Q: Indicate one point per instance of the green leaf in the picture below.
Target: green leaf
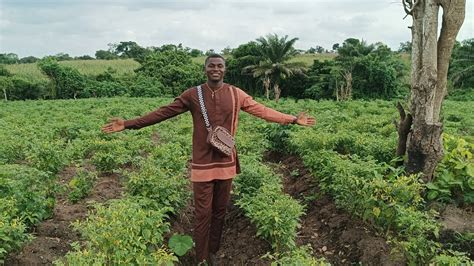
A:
(470, 183)
(470, 170)
(432, 194)
(180, 244)
(146, 233)
(376, 211)
(432, 186)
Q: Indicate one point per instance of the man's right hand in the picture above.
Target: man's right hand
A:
(115, 125)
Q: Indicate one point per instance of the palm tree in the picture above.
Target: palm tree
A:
(274, 66)
(461, 69)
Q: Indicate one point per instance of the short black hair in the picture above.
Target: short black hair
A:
(213, 56)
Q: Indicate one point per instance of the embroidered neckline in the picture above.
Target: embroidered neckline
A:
(214, 91)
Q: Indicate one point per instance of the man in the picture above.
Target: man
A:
(211, 172)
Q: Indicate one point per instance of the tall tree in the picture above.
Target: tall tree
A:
(275, 53)
(429, 68)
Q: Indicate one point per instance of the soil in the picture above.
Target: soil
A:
(332, 233)
(458, 219)
(53, 237)
(239, 244)
(456, 222)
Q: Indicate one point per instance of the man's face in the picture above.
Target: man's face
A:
(215, 69)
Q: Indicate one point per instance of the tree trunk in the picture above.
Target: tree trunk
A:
(344, 92)
(430, 60)
(5, 94)
(266, 85)
(277, 90)
(403, 129)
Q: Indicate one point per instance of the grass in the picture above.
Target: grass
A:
(88, 67)
(94, 67)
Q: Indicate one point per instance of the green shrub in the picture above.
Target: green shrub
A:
(81, 185)
(123, 233)
(298, 256)
(26, 193)
(275, 214)
(12, 235)
(48, 156)
(162, 188)
(454, 176)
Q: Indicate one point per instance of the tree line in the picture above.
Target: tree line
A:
(264, 67)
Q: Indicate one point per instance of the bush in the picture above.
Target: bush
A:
(122, 233)
(174, 68)
(275, 214)
(66, 81)
(454, 176)
(18, 88)
(164, 189)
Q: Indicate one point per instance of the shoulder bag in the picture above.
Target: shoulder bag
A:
(218, 137)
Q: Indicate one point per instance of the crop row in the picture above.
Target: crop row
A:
(351, 154)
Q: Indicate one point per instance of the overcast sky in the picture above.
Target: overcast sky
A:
(78, 27)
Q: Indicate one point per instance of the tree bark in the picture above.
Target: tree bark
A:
(266, 85)
(430, 61)
(277, 90)
(403, 129)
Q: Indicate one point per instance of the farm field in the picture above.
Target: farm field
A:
(94, 67)
(327, 194)
(88, 67)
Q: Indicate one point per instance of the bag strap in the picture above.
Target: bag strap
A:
(203, 108)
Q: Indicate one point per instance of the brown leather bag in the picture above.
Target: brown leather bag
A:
(218, 137)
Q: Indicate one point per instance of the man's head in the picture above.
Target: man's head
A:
(214, 66)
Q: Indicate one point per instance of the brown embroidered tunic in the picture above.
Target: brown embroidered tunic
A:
(223, 107)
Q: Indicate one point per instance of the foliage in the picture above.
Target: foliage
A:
(376, 70)
(81, 184)
(18, 88)
(351, 149)
(277, 223)
(273, 61)
(321, 80)
(8, 58)
(174, 69)
(180, 244)
(122, 233)
(143, 86)
(454, 176)
(66, 82)
(299, 256)
(164, 188)
(405, 47)
(26, 193)
(105, 55)
(26, 197)
(461, 94)
(450, 257)
(130, 49)
(355, 165)
(12, 236)
(242, 56)
(461, 68)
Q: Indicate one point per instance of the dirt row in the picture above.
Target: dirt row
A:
(332, 233)
(338, 236)
(53, 237)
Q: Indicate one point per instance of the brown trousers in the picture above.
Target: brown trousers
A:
(210, 204)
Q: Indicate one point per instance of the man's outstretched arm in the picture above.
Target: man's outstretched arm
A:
(249, 105)
(165, 112)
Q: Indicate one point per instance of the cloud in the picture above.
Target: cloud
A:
(77, 27)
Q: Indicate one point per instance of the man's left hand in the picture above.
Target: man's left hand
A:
(304, 120)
